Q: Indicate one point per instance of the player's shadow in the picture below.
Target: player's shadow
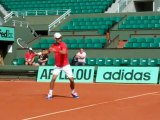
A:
(62, 96)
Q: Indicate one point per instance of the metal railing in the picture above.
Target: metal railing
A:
(26, 24)
(58, 20)
(20, 23)
(40, 12)
(33, 13)
(9, 15)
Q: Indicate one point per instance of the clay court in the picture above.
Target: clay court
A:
(25, 100)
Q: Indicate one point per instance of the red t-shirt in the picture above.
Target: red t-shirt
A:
(29, 55)
(61, 60)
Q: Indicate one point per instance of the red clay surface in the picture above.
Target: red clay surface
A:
(26, 101)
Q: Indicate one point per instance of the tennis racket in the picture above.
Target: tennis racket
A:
(22, 43)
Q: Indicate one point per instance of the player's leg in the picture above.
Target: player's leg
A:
(55, 73)
(67, 69)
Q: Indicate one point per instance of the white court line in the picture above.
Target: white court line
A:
(87, 106)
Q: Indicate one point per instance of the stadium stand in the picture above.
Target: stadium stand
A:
(134, 37)
(77, 6)
(143, 42)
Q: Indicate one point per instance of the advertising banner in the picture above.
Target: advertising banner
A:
(127, 74)
(7, 34)
(82, 74)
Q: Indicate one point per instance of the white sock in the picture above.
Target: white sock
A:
(50, 92)
(73, 91)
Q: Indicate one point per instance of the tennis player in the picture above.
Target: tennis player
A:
(60, 51)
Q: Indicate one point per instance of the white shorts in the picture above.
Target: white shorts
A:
(67, 69)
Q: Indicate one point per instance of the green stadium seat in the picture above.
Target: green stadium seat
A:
(95, 41)
(138, 17)
(103, 40)
(157, 25)
(88, 40)
(50, 61)
(144, 17)
(143, 62)
(67, 41)
(156, 40)
(126, 61)
(43, 41)
(132, 40)
(21, 61)
(130, 18)
(74, 46)
(152, 61)
(158, 61)
(91, 61)
(151, 17)
(141, 40)
(69, 45)
(143, 26)
(157, 17)
(102, 31)
(135, 26)
(89, 45)
(50, 41)
(97, 45)
(36, 46)
(128, 26)
(14, 61)
(100, 61)
(117, 61)
(80, 40)
(151, 25)
(44, 46)
(137, 45)
(36, 59)
(128, 45)
(82, 45)
(72, 41)
(108, 61)
(154, 45)
(134, 62)
(145, 45)
(149, 40)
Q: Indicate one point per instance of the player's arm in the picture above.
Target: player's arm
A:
(51, 49)
(63, 51)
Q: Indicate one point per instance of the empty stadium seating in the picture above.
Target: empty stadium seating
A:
(143, 42)
(76, 6)
(122, 62)
(140, 22)
(73, 43)
(104, 61)
(101, 24)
